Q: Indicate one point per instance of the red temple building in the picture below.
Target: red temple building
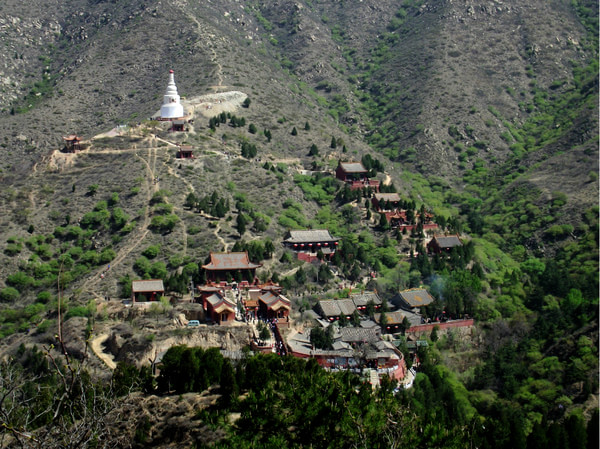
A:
(177, 126)
(147, 290)
(307, 244)
(273, 305)
(227, 267)
(219, 308)
(185, 152)
(355, 175)
(385, 202)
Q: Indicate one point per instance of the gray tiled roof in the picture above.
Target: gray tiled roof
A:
(150, 285)
(359, 334)
(353, 167)
(416, 297)
(309, 236)
(448, 241)
(368, 324)
(346, 306)
(397, 317)
(330, 307)
(387, 197)
(337, 307)
(362, 298)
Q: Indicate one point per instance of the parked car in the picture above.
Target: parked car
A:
(193, 323)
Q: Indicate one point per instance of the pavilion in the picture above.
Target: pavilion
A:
(227, 267)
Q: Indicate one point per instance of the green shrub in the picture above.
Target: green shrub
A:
(78, 311)
(19, 280)
(9, 294)
(151, 252)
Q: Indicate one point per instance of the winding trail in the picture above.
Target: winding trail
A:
(96, 346)
(219, 238)
(206, 37)
(142, 229)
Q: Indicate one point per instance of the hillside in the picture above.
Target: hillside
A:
(483, 115)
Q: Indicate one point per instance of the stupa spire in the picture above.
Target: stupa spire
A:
(171, 107)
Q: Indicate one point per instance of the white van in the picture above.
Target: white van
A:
(193, 323)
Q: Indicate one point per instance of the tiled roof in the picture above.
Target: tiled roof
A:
(309, 236)
(368, 324)
(359, 334)
(361, 299)
(220, 303)
(330, 307)
(340, 345)
(230, 261)
(449, 241)
(346, 306)
(387, 197)
(274, 302)
(150, 285)
(353, 167)
(337, 307)
(397, 317)
(416, 297)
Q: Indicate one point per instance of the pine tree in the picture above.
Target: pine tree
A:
(241, 224)
(267, 134)
(228, 384)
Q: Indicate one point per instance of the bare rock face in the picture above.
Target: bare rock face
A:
(143, 345)
(73, 334)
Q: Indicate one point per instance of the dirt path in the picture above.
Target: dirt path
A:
(189, 185)
(388, 180)
(219, 238)
(205, 37)
(89, 286)
(96, 346)
(290, 272)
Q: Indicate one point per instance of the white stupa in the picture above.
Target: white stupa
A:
(171, 107)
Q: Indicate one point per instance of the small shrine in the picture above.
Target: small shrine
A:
(72, 143)
(185, 152)
(443, 244)
(147, 290)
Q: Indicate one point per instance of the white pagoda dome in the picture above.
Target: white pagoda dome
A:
(171, 107)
